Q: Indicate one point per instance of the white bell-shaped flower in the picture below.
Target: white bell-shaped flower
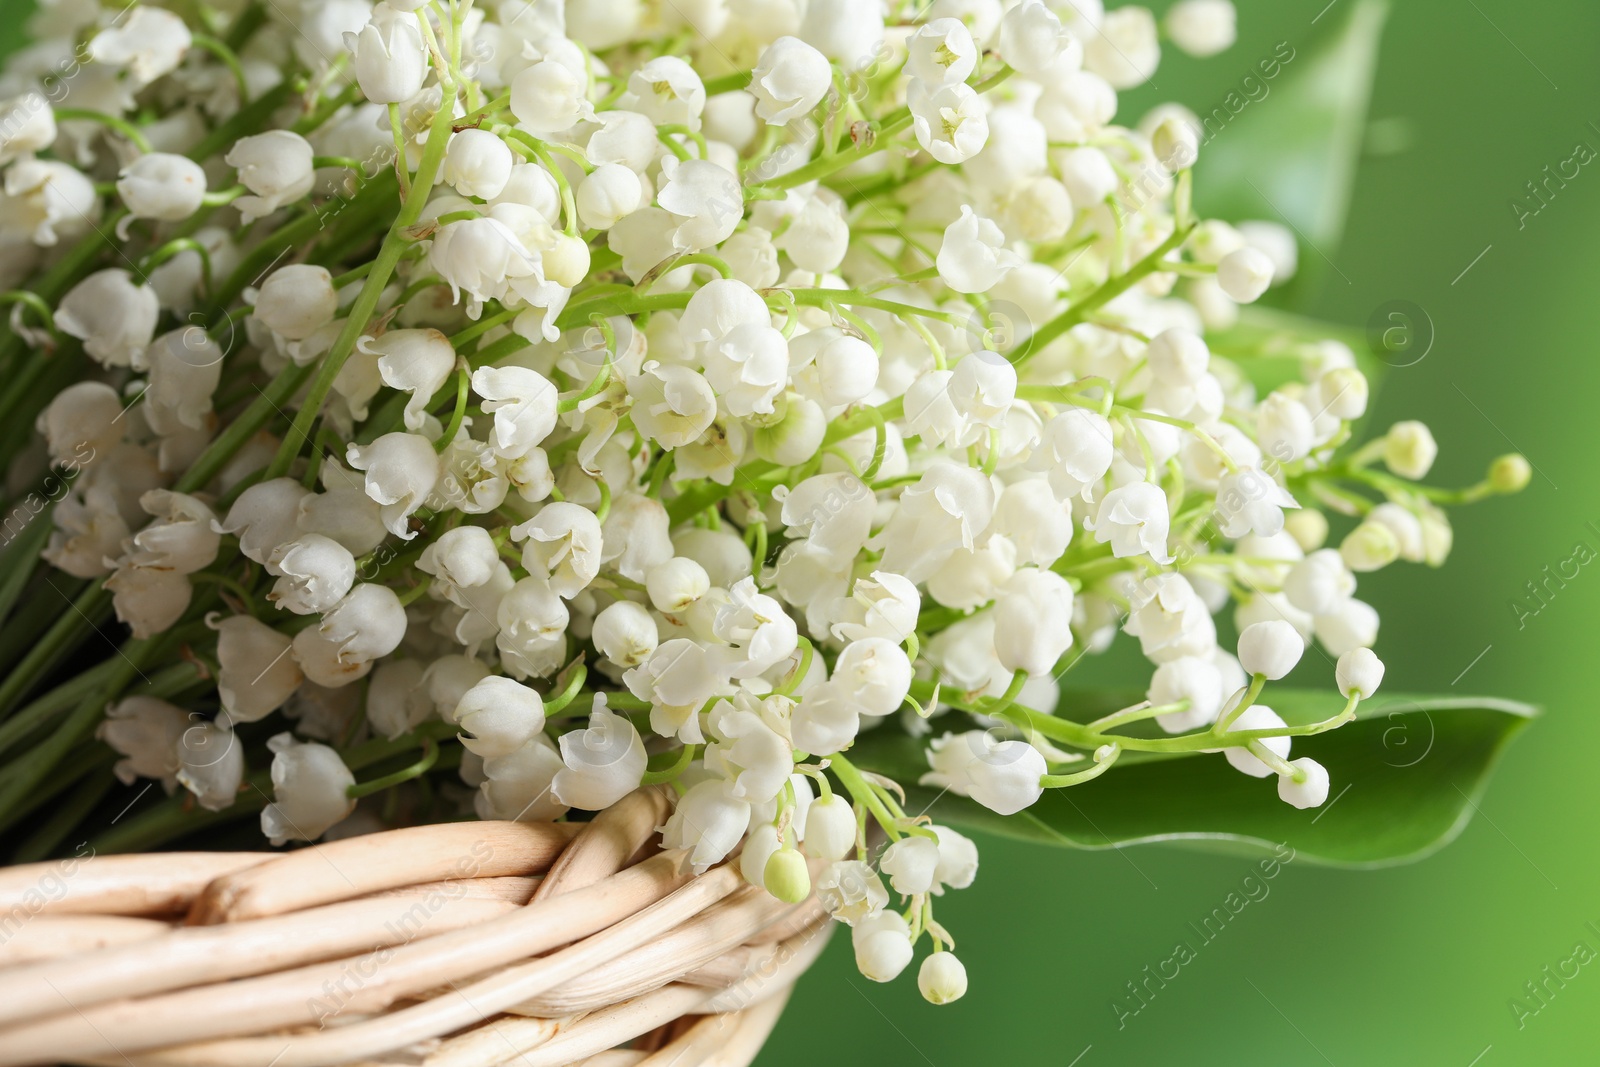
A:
(833, 512)
(1244, 275)
(548, 98)
(707, 200)
(418, 362)
(667, 91)
(148, 43)
(517, 786)
(945, 510)
(401, 470)
(501, 715)
(607, 195)
(636, 535)
(1003, 776)
(1202, 27)
(1076, 451)
(677, 679)
(911, 863)
(672, 404)
(146, 733)
(1359, 672)
(31, 127)
(1126, 50)
(46, 202)
(523, 403)
(211, 764)
(748, 368)
(1135, 520)
(603, 763)
(885, 605)
(308, 785)
(789, 80)
(1191, 678)
(368, 624)
(675, 584)
(397, 698)
(1170, 619)
(114, 317)
(1032, 39)
(846, 32)
(149, 600)
(276, 167)
(830, 828)
(948, 121)
(875, 673)
(958, 860)
(264, 517)
(942, 978)
(745, 750)
(390, 61)
(1033, 621)
(625, 634)
(709, 821)
(182, 539)
(1307, 787)
(257, 674)
(851, 891)
(758, 627)
(973, 257)
(941, 52)
(882, 945)
(314, 574)
(478, 164)
(160, 186)
(1270, 648)
(297, 300)
(564, 544)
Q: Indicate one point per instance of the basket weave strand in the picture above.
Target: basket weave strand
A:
(456, 945)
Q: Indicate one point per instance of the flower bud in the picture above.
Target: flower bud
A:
(709, 822)
(790, 79)
(315, 573)
(786, 877)
(1188, 678)
(1178, 355)
(795, 437)
(160, 186)
(146, 732)
(297, 300)
(478, 164)
(910, 864)
(1359, 672)
(830, 830)
(1307, 787)
(390, 61)
(275, 166)
(851, 891)
(1257, 717)
(548, 98)
(1342, 393)
(973, 257)
(608, 194)
(760, 845)
(1244, 275)
(942, 978)
(1353, 624)
(603, 763)
(308, 783)
(148, 43)
(1088, 175)
(1510, 473)
(27, 126)
(875, 673)
(1202, 27)
(1033, 621)
(1370, 546)
(675, 584)
(401, 470)
(1308, 527)
(843, 30)
(1032, 39)
(882, 946)
(625, 634)
(397, 698)
(1175, 144)
(211, 764)
(1319, 582)
(1003, 776)
(501, 714)
(1270, 648)
(941, 52)
(1409, 450)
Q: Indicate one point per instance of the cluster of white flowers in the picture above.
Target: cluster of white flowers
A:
(647, 398)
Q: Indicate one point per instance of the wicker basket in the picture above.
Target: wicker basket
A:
(454, 945)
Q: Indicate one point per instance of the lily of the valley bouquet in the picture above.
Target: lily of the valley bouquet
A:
(487, 409)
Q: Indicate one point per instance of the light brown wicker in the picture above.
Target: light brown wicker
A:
(454, 945)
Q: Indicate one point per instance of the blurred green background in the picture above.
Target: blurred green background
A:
(1412, 965)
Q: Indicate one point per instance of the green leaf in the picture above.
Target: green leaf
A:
(1407, 775)
(1290, 155)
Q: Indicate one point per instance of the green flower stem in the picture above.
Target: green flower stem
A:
(90, 608)
(59, 699)
(21, 558)
(252, 118)
(1137, 713)
(1061, 781)
(698, 496)
(36, 304)
(395, 245)
(482, 326)
(728, 82)
(173, 248)
(114, 123)
(267, 404)
(430, 756)
(456, 417)
(801, 669)
(863, 793)
(558, 703)
(228, 58)
(65, 816)
(1258, 682)
(826, 297)
(672, 771)
(1108, 291)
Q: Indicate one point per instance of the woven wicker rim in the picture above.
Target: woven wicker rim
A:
(453, 945)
